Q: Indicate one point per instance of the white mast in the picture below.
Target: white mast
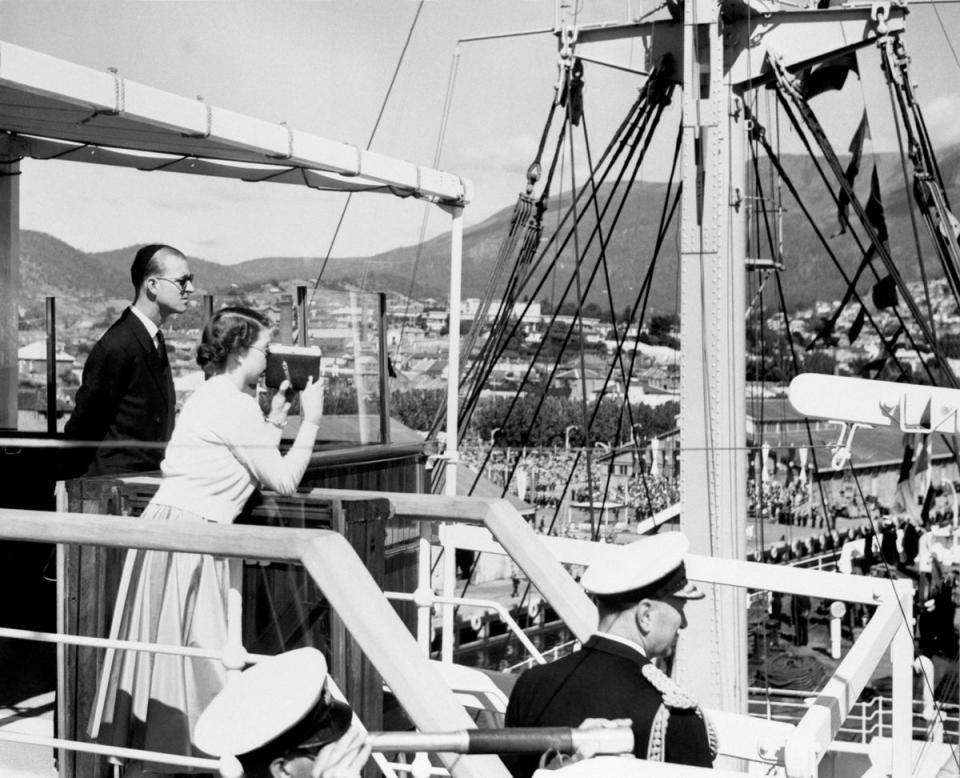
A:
(713, 481)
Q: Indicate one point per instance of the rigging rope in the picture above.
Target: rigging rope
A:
(578, 262)
(888, 343)
(641, 121)
(786, 89)
(928, 188)
(923, 158)
(637, 118)
(645, 126)
(640, 303)
(784, 176)
(911, 206)
(829, 521)
(438, 152)
(373, 132)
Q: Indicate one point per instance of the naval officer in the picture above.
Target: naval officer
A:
(278, 720)
(641, 591)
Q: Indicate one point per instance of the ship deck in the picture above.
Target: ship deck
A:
(27, 707)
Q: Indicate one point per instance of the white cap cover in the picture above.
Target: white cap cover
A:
(262, 703)
(647, 567)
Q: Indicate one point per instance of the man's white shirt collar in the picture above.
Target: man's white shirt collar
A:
(152, 329)
(616, 638)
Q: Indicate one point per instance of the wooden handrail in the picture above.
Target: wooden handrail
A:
(274, 544)
(334, 566)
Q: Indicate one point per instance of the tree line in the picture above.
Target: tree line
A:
(519, 422)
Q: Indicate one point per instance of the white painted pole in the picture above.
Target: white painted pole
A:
(449, 586)
(234, 655)
(901, 660)
(924, 666)
(837, 611)
(450, 455)
(453, 357)
(424, 587)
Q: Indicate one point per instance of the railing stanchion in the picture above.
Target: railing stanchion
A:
(64, 756)
(901, 708)
(449, 587)
(234, 654)
(424, 612)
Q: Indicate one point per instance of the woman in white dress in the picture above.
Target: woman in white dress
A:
(222, 448)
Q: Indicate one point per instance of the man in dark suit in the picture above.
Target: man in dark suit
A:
(641, 590)
(126, 402)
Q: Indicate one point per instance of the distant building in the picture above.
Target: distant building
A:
(32, 361)
(650, 395)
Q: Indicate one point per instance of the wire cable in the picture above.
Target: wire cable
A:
(373, 132)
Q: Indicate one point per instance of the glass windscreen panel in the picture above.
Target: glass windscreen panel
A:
(347, 327)
(45, 397)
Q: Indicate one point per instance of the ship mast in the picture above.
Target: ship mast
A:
(713, 475)
(720, 49)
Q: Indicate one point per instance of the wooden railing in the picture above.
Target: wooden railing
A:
(334, 566)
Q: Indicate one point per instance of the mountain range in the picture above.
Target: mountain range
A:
(50, 266)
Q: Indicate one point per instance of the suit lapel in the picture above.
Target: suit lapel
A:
(151, 358)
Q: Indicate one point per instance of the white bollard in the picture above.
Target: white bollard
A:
(837, 611)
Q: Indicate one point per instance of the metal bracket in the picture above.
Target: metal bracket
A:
(880, 12)
(567, 41)
(926, 423)
(842, 448)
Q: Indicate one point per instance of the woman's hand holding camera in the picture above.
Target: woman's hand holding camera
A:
(311, 400)
(280, 404)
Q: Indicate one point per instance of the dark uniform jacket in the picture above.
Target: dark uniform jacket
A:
(126, 395)
(603, 680)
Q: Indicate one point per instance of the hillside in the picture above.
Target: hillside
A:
(52, 267)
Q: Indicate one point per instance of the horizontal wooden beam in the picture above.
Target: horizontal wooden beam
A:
(274, 544)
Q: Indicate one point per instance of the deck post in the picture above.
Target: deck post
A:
(450, 455)
(9, 290)
(453, 357)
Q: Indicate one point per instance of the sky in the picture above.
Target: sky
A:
(324, 67)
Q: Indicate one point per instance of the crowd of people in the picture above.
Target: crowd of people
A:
(895, 547)
(544, 477)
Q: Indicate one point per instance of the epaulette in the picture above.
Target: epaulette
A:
(673, 695)
(674, 698)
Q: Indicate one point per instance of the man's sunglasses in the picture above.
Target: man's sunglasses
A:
(181, 282)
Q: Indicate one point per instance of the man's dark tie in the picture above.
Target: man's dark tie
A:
(162, 349)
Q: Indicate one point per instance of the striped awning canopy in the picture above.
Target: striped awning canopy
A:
(54, 109)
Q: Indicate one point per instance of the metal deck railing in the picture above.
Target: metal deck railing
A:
(495, 526)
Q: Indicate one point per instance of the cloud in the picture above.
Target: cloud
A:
(941, 117)
(503, 154)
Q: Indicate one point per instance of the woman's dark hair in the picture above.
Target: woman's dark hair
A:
(228, 331)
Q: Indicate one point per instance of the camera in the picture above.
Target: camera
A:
(295, 363)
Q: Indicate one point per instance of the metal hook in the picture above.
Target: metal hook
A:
(880, 12)
(841, 449)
